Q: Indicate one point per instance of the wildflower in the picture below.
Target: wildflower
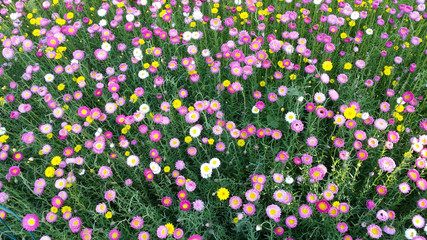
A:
(223, 194)
(30, 222)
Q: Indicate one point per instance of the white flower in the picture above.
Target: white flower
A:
(130, 17)
(300, 99)
(410, 233)
(133, 161)
(206, 170)
(255, 110)
(400, 101)
(143, 74)
(103, 23)
(354, 15)
(102, 12)
(418, 221)
(417, 147)
(143, 2)
(49, 77)
(289, 180)
(81, 172)
(369, 31)
(258, 227)
(155, 167)
(290, 117)
(237, 2)
(137, 52)
(111, 145)
(317, 2)
(289, 49)
(106, 46)
(365, 116)
(206, 53)
(197, 15)
(195, 131)
(206, 175)
(215, 163)
(158, 5)
(144, 108)
(14, 16)
(195, 35)
(186, 36)
(2, 130)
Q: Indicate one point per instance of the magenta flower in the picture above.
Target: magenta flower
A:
(30, 222)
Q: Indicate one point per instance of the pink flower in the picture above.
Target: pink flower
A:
(30, 222)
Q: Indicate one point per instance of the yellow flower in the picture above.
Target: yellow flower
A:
(4, 138)
(193, 24)
(226, 83)
(133, 98)
(327, 65)
(407, 154)
(61, 87)
(336, 204)
(176, 103)
(54, 209)
(244, 15)
(400, 128)
(50, 135)
(347, 66)
(170, 228)
(108, 215)
(399, 108)
(124, 131)
(65, 209)
(211, 141)
(352, 23)
(241, 142)
(293, 77)
(155, 64)
(89, 119)
(223, 193)
(262, 83)
(236, 219)
(343, 35)
(70, 15)
(387, 72)
(127, 153)
(56, 160)
(188, 139)
(49, 172)
(68, 127)
(167, 169)
(77, 148)
(350, 113)
(214, 10)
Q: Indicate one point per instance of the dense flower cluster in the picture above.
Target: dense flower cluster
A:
(203, 119)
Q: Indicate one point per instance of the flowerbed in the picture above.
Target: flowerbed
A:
(213, 119)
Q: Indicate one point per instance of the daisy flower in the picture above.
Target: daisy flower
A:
(418, 221)
(30, 222)
(223, 194)
(273, 211)
(290, 117)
